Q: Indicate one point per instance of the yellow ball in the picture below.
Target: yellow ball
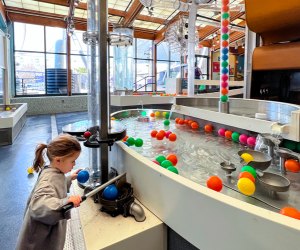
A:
(7, 108)
(246, 186)
(30, 170)
(247, 157)
(157, 113)
(113, 118)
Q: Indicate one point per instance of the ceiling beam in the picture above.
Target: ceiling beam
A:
(134, 10)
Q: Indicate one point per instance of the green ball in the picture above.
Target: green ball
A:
(225, 37)
(225, 15)
(130, 141)
(249, 169)
(143, 113)
(224, 98)
(138, 142)
(166, 164)
(166, 122)
(173, 169)
(167, 115)
(235, 136)
(290, 144)
(160, 158)
(224, 64)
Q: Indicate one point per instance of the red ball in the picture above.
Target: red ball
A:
(208, 128)
(87, 134)
(153, 133)
(214, 183)
(172, 137)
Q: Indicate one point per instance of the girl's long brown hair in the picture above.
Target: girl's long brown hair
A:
(62, 146)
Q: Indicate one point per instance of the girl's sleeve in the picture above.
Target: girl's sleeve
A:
(69, 182)
(45, 206)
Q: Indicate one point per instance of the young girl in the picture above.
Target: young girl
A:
(44, 225)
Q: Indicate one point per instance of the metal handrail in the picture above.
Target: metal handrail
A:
(143, 86)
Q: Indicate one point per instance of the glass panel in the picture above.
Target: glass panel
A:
(202, 64)
(175, 56)
(28, 37)
(77, 44)
(56, 40)
(30, 73)
(144, 49)
(162, 74)
(163, 51)
(56, 74)
(80, 82)
(175, 70)
(144, 75)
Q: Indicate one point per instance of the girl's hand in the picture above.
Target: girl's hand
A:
(75, 199)
(75, 174)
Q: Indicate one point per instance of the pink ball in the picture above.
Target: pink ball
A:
(224, 77)
(251, 141)
(156, 162)
(225, 30)
(168, 133)
(224, 84)
(243, 139)
(221, 132)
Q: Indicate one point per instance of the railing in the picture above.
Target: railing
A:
(148, 81)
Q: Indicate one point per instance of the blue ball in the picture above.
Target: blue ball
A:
(224, 57)
(224, 71)
(83, 176)
(110, 192)
(225, 51)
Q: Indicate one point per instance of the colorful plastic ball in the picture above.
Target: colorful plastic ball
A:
(167, 115)
(157, 114)
(243, 139)
(160, 158)
(30, 170)
(110, 192)
(208, 128)
(224, 91)
(224, 84)
(224, 24)
(247, 175)
(291, 212)
(130, 141)
(172, 137)
(224, 98)
(214, 183)
(225, 16)
(152, 115)
(177, 120)
(168, 133)
(224, 64)
(225, 70)
(292, 165)
(235, 136)
(126, 143)
(166, 164)
(246, 186)
(225, 51)
(125, 138)
(143, 113)
(173, 169)
(181, 122)
(166, 122)
(172, 158)
(138, 142)
(225, 43)
(225, 37)
(251, 141)
(228, 134)
(83, 176)
(87, 134)
(153, 133)
(247, 157)
(225, 9)
(225, 58)
(225, 2)
(249, 169)
(194, 125)
(7, 108)
(160, 136)
(221, 132)
(224, 78)
(225, 30)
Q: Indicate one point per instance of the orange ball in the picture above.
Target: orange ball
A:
(291, 212)
(247, 175)
(125, 138)
(225, 22)
(172, 158)
(181, 122)
(225, 44)
(214, 183)
(160, 136)
(172, 137)
(292, 165)
(152, 115)
(208, 128)
(186, 121)
(190, 122)
(162, 132)
(228, 134)
(224, 91)
(225, 2)
(154, 133)
(177, 120)
(194, 125)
